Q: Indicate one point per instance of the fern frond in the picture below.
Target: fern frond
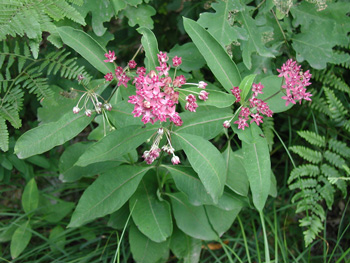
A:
(60, 9)
(331, 172)
(321, 106)
(15, 98)
(303, 170)
(8, 112)
(305, 193)
(313, 138)
(4, 135)
(336, 108)
(56, 62)
(307, 154)
(303, 184)
(334, 159)
(32, 81)
(313, 226)
(330, 79)
(267, 127)
(339, 147)
(76, 2)
(327, 192)
(312, 207)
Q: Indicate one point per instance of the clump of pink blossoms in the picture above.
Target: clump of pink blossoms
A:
(254, 111)
(157, 94)
(296, 82)
(120, 74)
(151, 155)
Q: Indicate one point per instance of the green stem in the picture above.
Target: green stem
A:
(244, 239)
(267, 253)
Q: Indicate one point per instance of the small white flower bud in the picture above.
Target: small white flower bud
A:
(226, 124)
(76, 110)
(108, 106)
(175, 160)
(88, 113)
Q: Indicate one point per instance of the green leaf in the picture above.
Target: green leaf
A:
(218, 23)
(119, 218)
(184, 246)
(121, 115)
(54, 213)
(116, 144)
(107, 194)
(47, 136)
(221, 220)
(207, 161)
(192, 220)
(118, 5)
(30, 197)
(224, 69)
(237, 179)
(140, 15)
(71, 173)
(4, 135)
(206, 124)
(87, 47)
(216, 98)
(254, 42)
(150, 45)
(20, 239)
(145, 250)
(101, 11)
(191, 58)
(187, 181)
(258, 167)
(272, 94)
(151, 216)
(246, 85)
(57, 238)
(273, 186)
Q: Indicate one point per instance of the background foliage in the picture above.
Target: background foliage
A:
(61, 200)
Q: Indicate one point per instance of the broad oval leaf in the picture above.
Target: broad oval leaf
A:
(221, 220)
(258, 167)
(216, 98)
(151, 216)
(187, 181)
(121, 115)
(145, 250)
(107, 194)
(47, 136)
(150, 45)
(273, 94)
(57, 238)
(87, 47)
(116, 144)
(224, 69)
(207, 161)
(30, 197)
(237, 179)
(192, 220)
(20, 239)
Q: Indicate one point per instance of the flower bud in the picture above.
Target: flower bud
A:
(108, 106)
(175, 160)
(76, 110)
(88, 113)
(226, 124)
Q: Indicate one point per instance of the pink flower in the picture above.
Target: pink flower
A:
(257, 89)
(226, 124)
(132, 64)
(123, 80)
(242, 123)
(177, 61)
(110, 56)
(202, 85)
(179, 81)
(203, 95)
(141, 71)
(175, 160)
(118, 71)
(257, 118)
(109, 76)
(237, 93)
(162, 57)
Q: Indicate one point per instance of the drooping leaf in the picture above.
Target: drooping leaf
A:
(145, 250)
(207, 161)
(107, 194)
(116, 144)
(20, 239)
(151, 216)
(236, 179)
(224, 69)
(47, 136)
(184, 246)
(187, 181)
(150, 44)
(191, 58)
(30, 196)
(87, 47)
(258, 167)
(192, 220)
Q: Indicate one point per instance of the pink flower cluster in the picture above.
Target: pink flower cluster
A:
(295, 82)
(256, 109)
(156, 93)
(151, 155)
(120, 74)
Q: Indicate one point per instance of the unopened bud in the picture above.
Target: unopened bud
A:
(108, 106)
(88, 113)
(175, 160)
(76, 110)
(226, 124)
